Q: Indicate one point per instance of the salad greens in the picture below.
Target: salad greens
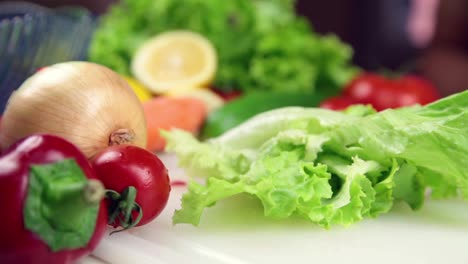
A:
(261, 44)
(327, 166)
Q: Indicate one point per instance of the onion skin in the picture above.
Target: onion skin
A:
(85, 103)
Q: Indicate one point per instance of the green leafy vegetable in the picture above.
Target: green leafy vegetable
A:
(261, 44)
(303, 60)
(330, 167)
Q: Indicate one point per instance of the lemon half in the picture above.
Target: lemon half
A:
(174, 60)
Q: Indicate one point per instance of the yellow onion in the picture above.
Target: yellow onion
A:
(85, 103)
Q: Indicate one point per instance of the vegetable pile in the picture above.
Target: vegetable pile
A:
(79, 138)
(274, 49)
(330, 167)
(74, 161)
(255, 49)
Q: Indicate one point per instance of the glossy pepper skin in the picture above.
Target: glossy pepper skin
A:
(17, 243)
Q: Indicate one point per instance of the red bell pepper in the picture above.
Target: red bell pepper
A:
(53, 206)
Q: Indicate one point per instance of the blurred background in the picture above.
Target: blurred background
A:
(425, 36)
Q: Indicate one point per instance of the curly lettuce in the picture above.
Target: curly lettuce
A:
(292, 59)
(261, 44)
(330, 167)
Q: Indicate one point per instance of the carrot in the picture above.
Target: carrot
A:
(170, 112)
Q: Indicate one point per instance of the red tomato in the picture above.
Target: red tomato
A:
(121, 167)
(416, 90)
(227, 96)
(337, 103)
(363, 87)
(383, 93)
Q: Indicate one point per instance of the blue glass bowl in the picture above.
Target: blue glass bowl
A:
(32, 36)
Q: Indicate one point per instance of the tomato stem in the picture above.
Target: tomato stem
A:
(128, 205)
(122, 208)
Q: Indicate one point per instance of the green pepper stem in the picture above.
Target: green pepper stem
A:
(66, 201)
(91, 191)
(62, 205)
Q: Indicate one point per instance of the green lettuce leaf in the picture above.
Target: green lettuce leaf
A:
(433, 138)
(330, 167)
(272, 14)
(287, 182)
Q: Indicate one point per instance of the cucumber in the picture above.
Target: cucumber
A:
(237, 111)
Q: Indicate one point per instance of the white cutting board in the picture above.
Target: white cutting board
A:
(235, 232)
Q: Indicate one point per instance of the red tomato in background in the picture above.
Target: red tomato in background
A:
(337, 102)
(227, 96)
(383, 93)
(415, 89)
(122, 166)
(363, 88)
